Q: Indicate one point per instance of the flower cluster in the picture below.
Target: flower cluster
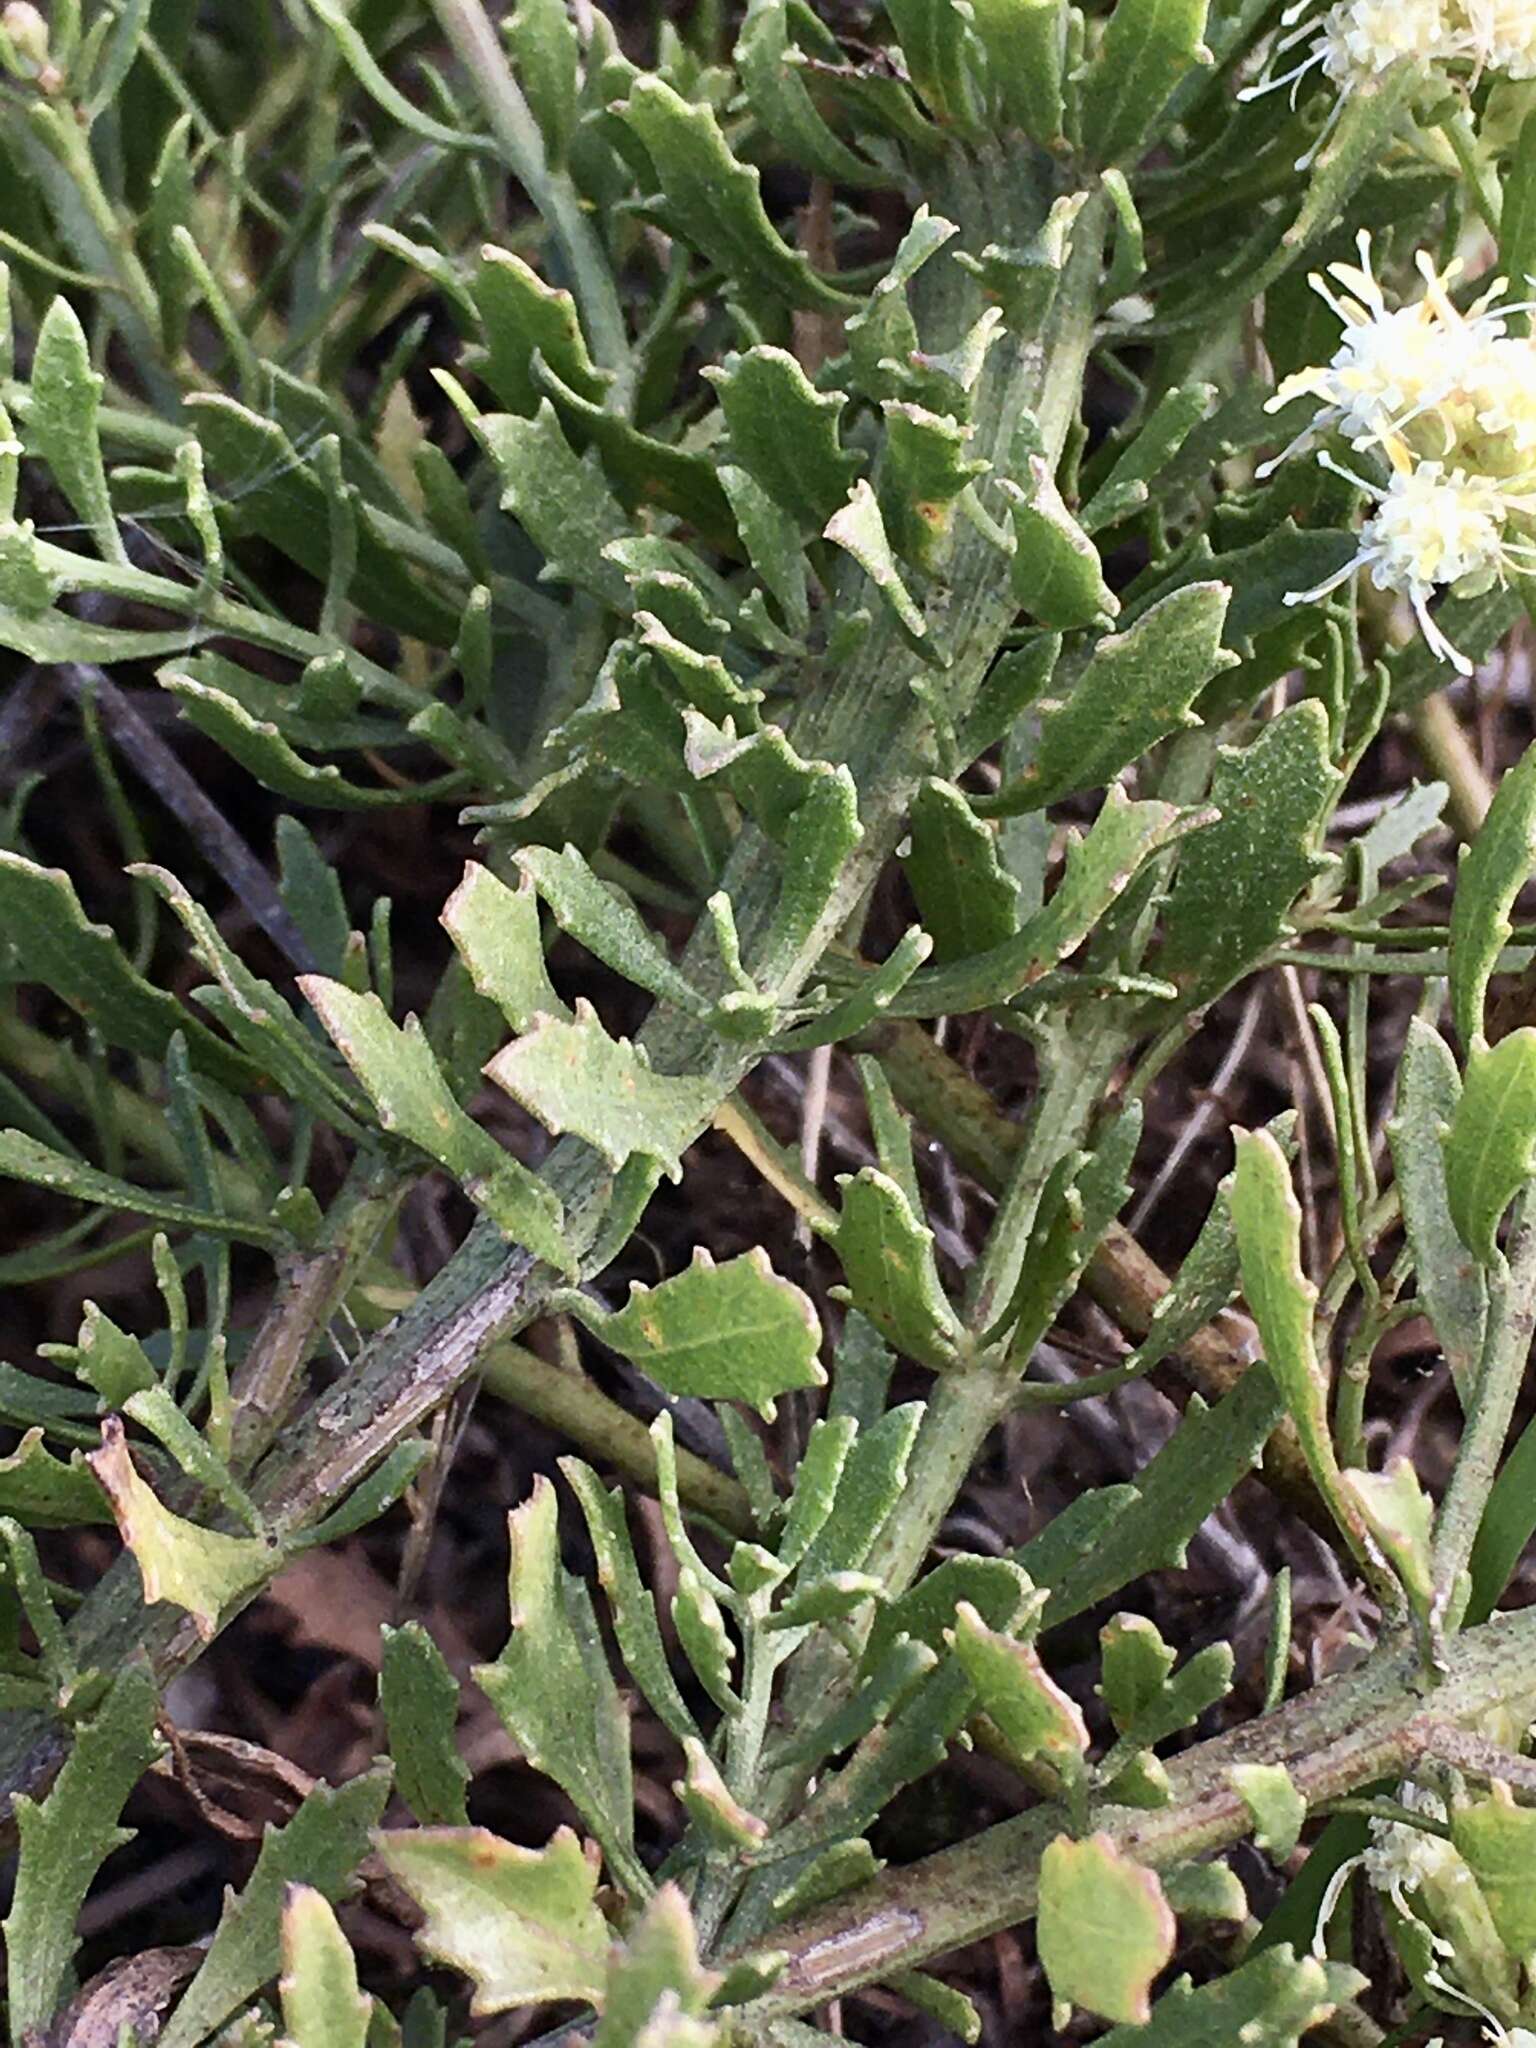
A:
(1445, 402)
(1352, 42)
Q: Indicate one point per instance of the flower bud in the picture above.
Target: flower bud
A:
(26, 45)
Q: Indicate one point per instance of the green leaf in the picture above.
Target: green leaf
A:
(1081, 1198)
(322, 2006)
(1137, 688)
(724, 1823)
(23, 1158)
(860, 531)
(1149, 48)
(1497, 1840)
(892, 1680)
(995, 1589)
(700, 1623)
(1237, 882)
(712, 201)
(521, 1924)
(1055, 574)
(874, 1477)
(886, 1251)
(607, 924)
(964, 895)
(1494, 869)
(735, 1332)
(45, 1492)
(552, 1687)
(1400, 1515)
(905, 1749)
(1276, 1808)
(276, 491)
(262, 751)
(1517, 215)
(771, 537)
(254, 1014)
(769, 65)
(783, 433)
(1267, 2003)
(817, 1478)
(954, 2012)
(1451, 1287)
(406, 1086)
(1097, 872)
(419, 1699)
(83, 964)
(630, 1601)
(321, 1847)
(1205, 1284)
(496, 933)
(106, 1358)
(1032, 1713)
(1188, 1479)
(643, 470)
(62, 417)
(542, 41)
(656, 1981)
(1146, 1702)
(201, 1570)
(1267, 1218)
(1205, 1892)
(940, 56)
(1026, 45)
(823, 832)
(1490, 1148)
(882, 336)
(67, 1837)
(560, 500)
(1104, 1929)
(923, 472)
(1128, 484)
(574, 1077)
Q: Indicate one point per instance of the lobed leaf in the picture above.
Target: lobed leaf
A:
(734, 1332)
(320, 1847)
(574, 1077)
(65, 1839)
(406, 1086)
(521, 1924)
(551, 1684)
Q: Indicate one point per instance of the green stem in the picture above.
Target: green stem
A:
(569, 1403)
(468, 28)
(1078, 1065)
(1348, 1732)
(964, 1408)
(1458, 133)
(1506, 1350)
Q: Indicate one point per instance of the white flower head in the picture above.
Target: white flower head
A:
(1400, 1856)
(1501, 35)
(1394, 365)
(1354, 41)
(1433, 529)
